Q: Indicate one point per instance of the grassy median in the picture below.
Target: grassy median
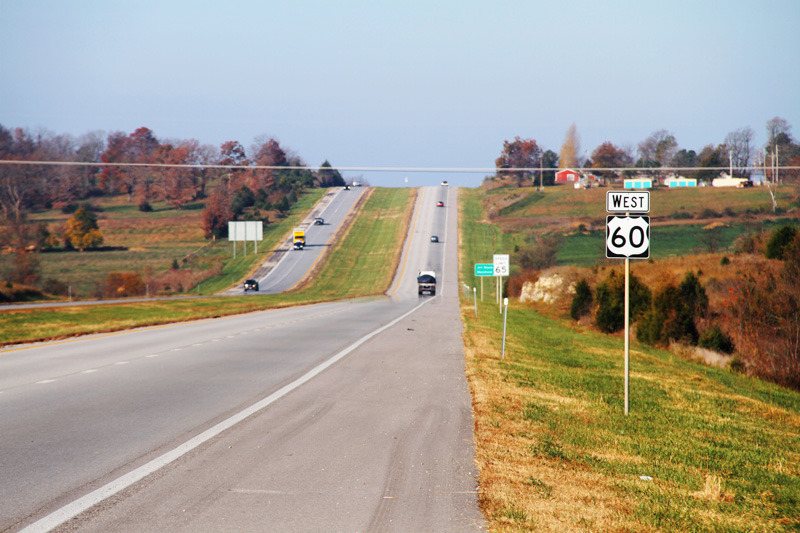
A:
(703, 449)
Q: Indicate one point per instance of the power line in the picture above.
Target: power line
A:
(467, 170)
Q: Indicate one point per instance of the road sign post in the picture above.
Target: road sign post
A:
(501, 268)
(626, 237)
(505, 317)
(482, 270)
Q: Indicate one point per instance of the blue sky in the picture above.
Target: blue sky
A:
(402, 84)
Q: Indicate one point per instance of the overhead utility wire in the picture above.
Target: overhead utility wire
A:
(371, 169)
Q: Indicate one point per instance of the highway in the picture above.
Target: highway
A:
(345, 416)
(287, 267)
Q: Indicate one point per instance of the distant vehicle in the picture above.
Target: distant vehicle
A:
(299, 239)
(444, 183)
(318, 221)
(426, 282)
(347, 187)
(434, 238)
(250, 285)
(440, 204)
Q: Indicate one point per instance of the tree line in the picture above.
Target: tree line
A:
(660, 150)
(147, 170)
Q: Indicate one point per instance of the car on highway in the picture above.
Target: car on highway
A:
(319, 221)
(434, 238)
(250, 285)
(440, 204)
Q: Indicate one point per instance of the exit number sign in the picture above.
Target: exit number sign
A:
(628, 201)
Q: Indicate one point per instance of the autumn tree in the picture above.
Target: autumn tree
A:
(217, 214)
(232, 153)
(521, 153)
(177, 182)
(269, 154)
(138, 147)
(570, 150)
(609, 156)
(82, 231)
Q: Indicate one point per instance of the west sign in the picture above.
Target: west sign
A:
(628, 201)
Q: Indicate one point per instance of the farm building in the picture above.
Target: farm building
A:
(639, 183)
(568, 176)
(580, 179)
(680, 181)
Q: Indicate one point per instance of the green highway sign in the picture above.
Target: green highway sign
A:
(484, 269)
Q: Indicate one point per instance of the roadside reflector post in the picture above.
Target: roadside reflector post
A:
(475, 299)
(505, 318)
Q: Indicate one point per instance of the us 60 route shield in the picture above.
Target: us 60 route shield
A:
(627, 237)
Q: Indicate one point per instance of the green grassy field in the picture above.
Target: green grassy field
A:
(589, 248)
(703, 449)
(589, 204)
(148, 243)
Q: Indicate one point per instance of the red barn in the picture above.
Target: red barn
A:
(567, 176)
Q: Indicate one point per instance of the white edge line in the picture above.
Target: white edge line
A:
(84, 503)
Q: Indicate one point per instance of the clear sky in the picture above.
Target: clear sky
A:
(402, 83)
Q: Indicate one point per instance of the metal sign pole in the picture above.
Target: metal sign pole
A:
(475, 299)
(627, 330)
(500, 293)
(505, 318)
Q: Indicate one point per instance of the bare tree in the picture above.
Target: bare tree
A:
(740, 147)
(660, 148)
(776, 127)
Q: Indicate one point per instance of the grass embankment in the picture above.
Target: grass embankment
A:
(372, 247)
(703, 449)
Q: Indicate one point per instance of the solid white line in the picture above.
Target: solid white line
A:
(86, 502)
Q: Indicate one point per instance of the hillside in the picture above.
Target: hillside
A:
(703, 449)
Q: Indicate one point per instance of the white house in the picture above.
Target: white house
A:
(726, 181)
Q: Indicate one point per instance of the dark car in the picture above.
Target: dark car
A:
(318, 221)
(434, 238)
(250, 285)
(440, 204)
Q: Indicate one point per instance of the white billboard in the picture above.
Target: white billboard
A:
(249, 230)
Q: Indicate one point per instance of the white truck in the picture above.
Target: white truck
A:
(426, 282)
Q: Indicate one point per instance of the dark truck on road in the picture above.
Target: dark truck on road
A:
(426, 282)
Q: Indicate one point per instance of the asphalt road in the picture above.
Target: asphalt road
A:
(287, 267)
(349, 416)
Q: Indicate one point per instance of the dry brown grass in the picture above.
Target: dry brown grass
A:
(520, 490)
